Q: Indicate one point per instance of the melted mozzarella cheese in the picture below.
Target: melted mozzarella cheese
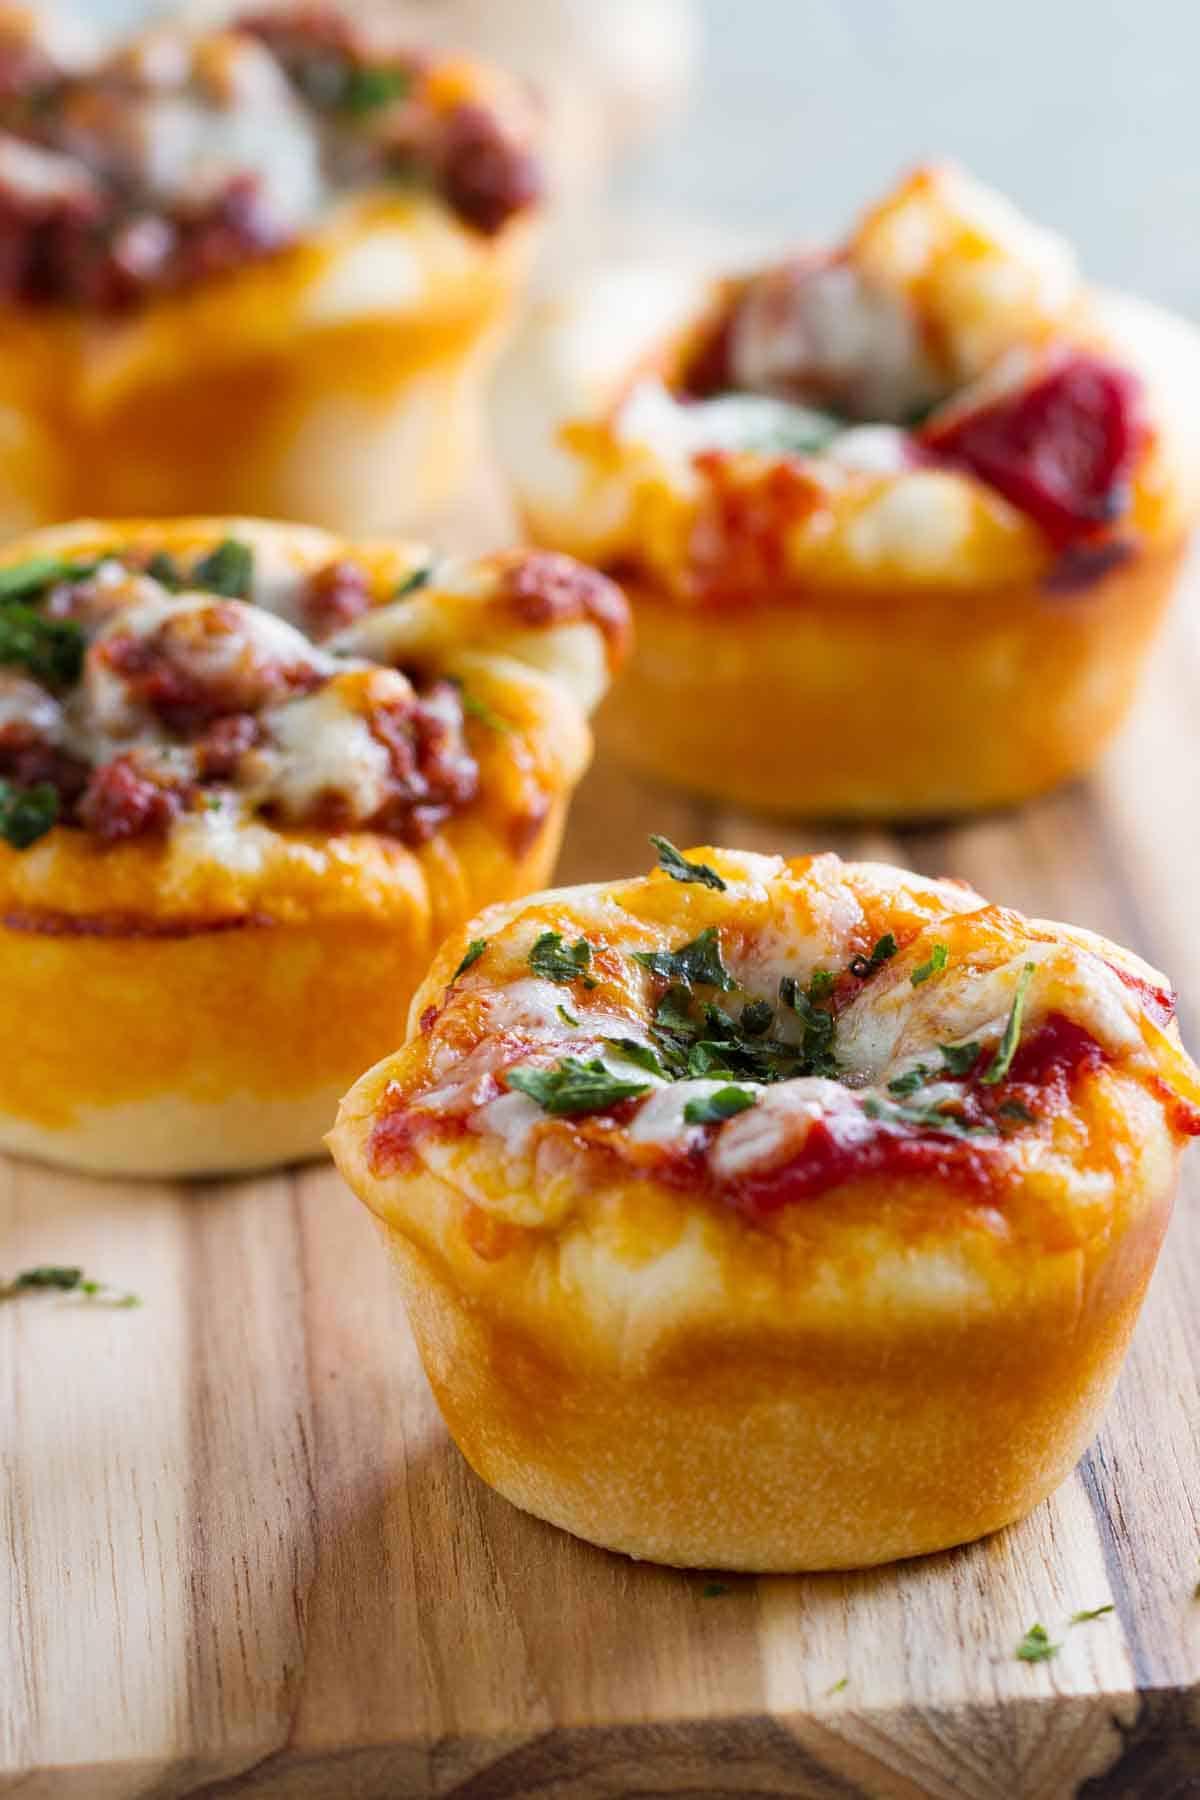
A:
(828, 331)
(779, 1125)
(919, 519)
(327, 747)
(893, 1025)
(26, 706)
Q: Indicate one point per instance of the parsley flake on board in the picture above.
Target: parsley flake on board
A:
(938, 959)
(885, 948)
(1036, 1647)
(51, 649)
(556, 962)
(474, 951)
(713, 1109)
(26, 814)
(1002, 1061)
(677, 866)
(1089, 1613)
(227, 570)
(65, 1281)
(698, 963)
(713, 1590)
(575, 1087)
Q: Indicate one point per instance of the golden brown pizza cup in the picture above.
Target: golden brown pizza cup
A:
(334, 375)
(810, 1345)
(196, 999)
(940, 600)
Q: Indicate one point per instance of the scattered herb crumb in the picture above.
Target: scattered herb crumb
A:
(1036, 1646)
(714, 1589)
(1095, 1612)
(567, 1018)
(63, 1280)
(838, 1686)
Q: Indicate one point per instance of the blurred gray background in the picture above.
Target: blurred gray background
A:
(1084, 111)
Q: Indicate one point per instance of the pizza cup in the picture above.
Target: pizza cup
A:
(774, 1215)
(898, 520)
(250, 776)
(260, 268)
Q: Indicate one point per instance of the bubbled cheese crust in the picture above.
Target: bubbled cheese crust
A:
(338, 379)
(604, 452)
(196, 1001)
(881, 633)
(639, 1330)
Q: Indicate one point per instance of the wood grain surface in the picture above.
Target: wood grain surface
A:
(241, 1557)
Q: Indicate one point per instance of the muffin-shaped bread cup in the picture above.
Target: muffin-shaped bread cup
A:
(897, 520)
(250, 776)
(774, 1215)
(262, 268)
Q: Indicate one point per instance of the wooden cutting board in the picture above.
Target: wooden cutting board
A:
(241, 1557)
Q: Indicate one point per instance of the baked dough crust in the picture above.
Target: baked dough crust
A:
(633, 1332)
(884, 635)
(196, 1003)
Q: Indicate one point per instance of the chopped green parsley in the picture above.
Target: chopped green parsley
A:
(885, 948)
(575, 1087)
(227, 570)
(726, 1103)
(1000, 1064)
(938, 959)
(51, 649)
(28, 580)
(677, 866)
(474, 951)
(26, 814)
(479, 709)
(555, 961)
(696, 964)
